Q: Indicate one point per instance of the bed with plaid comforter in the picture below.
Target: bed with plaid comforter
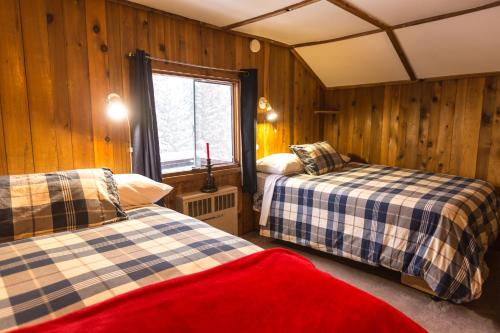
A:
(433, 226)
(48, 276)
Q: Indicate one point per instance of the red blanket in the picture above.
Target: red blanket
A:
(270, 291)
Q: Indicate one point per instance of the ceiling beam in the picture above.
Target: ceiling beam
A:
(359, 13)
(445, 16)
(401, 54)
(271, 14)
(381, 25)
(338, 39)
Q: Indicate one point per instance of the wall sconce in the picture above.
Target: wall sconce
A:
(117, 111)
(115, 108)
(271, 115)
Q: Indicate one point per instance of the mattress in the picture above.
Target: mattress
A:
(45, 277)
(432, 226)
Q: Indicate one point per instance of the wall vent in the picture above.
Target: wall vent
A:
(224, 201)
(199, 207)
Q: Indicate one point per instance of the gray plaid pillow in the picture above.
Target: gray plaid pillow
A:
(44, 203)
(318, 158)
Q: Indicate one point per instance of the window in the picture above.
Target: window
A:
(191, 112)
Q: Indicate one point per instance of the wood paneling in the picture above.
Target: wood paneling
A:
(450, 126)
(46, 80)
(78, 83)
(59, 72)
(97, 48)
(17, 150)
(61, 58)
(75, 54)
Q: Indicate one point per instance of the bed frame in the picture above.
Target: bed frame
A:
(417, 283)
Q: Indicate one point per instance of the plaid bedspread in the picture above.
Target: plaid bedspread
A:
(433, 226)
(48, 276)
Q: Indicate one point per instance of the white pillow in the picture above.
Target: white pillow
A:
(136, 190)
(280, 164)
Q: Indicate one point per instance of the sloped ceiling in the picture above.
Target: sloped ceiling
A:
(458, 45)
(367, 59)
(354, 42)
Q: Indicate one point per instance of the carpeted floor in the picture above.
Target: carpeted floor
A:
(480, 316)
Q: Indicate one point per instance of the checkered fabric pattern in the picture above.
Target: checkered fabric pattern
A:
(318, 158)
(48, 276)
(44, 203)
(433, 226)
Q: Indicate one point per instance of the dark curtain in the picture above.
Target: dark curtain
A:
(143, 127)
(248, 118)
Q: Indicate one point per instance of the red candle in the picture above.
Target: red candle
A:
(208, 151)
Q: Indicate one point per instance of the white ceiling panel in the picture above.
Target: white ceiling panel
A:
(217, 12)
(315, 22)
(393, 12)
(362, 60)
(460, 45)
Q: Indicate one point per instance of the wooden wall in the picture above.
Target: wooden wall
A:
(450, 126)
(60, 59)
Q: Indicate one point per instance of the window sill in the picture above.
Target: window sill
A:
(228, 168)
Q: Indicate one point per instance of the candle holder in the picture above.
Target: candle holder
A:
(209, 186)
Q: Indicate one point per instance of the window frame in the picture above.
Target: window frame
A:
(235, 83)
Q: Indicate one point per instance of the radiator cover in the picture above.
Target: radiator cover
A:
(219, 209)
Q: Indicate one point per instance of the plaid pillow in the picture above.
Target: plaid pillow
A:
(318, 158)
(44, 203)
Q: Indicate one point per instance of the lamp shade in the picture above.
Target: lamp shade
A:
(115, 108)
(271, 116)
(263, 103)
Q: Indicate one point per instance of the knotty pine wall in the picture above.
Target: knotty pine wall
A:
(61, 58)
(450, 126)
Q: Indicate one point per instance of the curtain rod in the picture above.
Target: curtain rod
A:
(131, 54)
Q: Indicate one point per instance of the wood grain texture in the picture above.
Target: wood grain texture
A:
(56, 39)
(61, 58)
(97, 49)
(450, 126)
(78, 84)
(51, 140)
(119, 133)
(17, 141)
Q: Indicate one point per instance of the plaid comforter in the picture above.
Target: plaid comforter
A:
(48, 276)
(433, 226)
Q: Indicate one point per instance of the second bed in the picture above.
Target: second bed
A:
(430, 226)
